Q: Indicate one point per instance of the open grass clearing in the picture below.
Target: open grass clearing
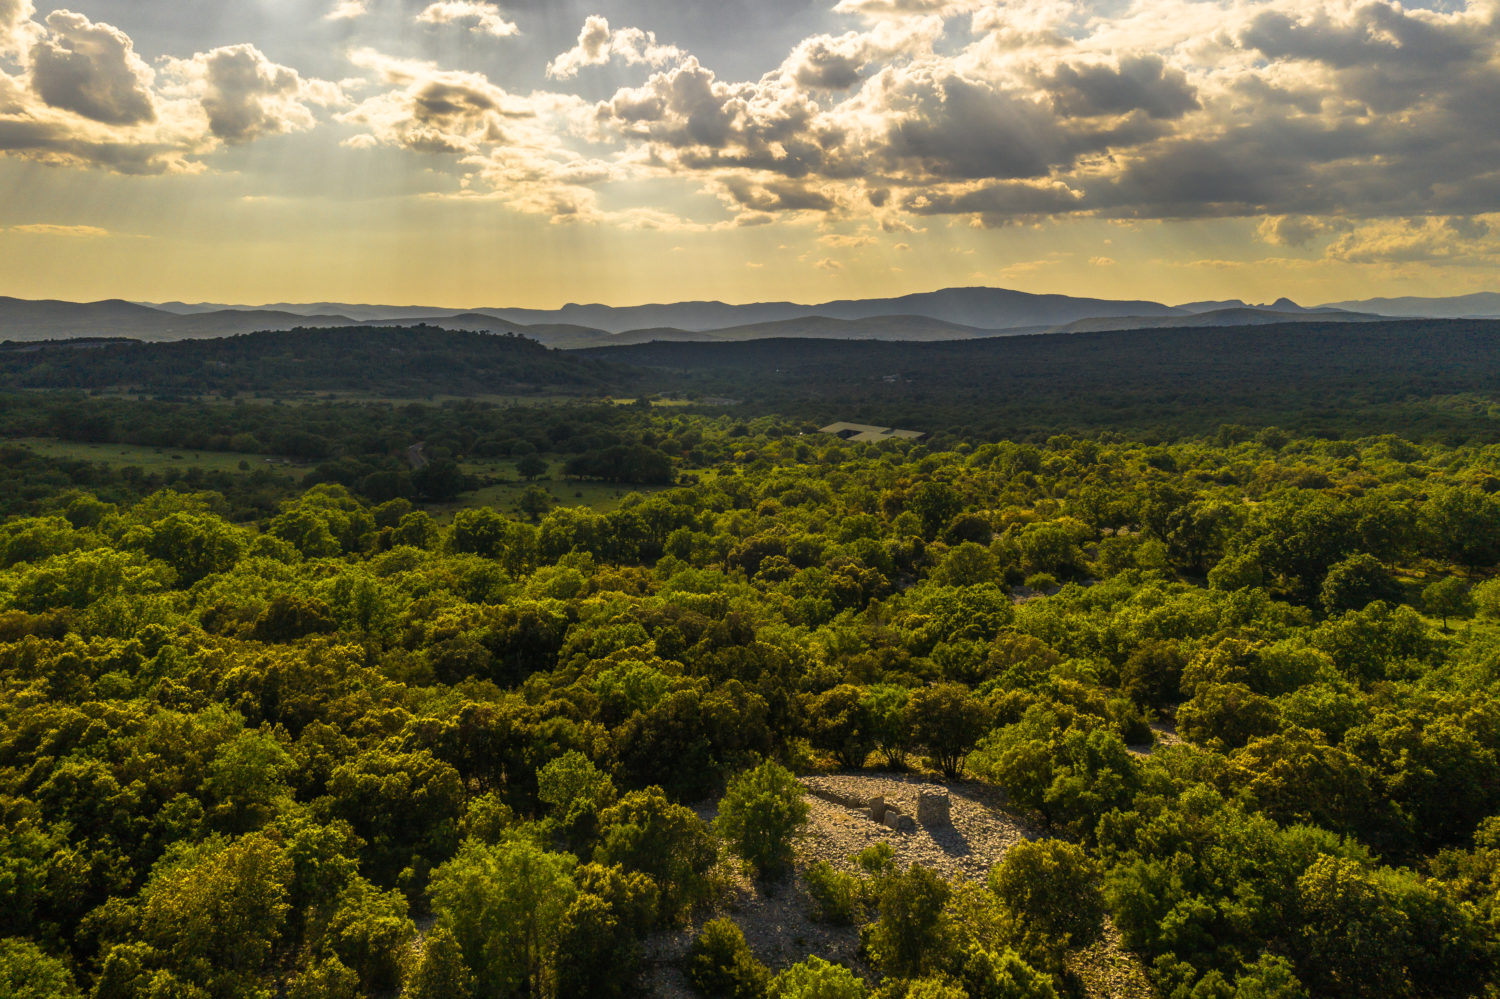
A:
(156, 459)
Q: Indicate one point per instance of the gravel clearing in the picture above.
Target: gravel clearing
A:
(978, 835)
(779, 927)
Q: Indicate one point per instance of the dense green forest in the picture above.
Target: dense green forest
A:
(364, 360)
(1417, 378)
(332, 730)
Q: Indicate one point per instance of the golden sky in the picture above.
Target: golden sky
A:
(466, 153)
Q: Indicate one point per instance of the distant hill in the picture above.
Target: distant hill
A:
(980, 308)
(917, 329)
(983, 308)
(957, 313)
(22, 319)
(391, 362)
(570, 337)
(1242, 316)
(357, 313)
(1321, 375)
(1477, 306)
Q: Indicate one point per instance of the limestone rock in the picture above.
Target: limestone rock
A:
(933, 807)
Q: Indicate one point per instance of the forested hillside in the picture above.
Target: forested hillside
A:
(261, 740)
(367, 360)
(1324, 379)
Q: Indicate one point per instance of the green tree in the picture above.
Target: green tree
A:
(719, 963)
(439, 971)
(535, 501)
(504, 906)
(815, 978)
(576, 792)
(645, 832)
(599, 936)
(217, 911)
(1448, 597)
(838, 721)
(760, 817)
(1053, 890)
(1356, 582)
(531, 467)
(248, 780)
(948, 720)
(326, 978)
(913, 935)
(28, 972)
(369, 932)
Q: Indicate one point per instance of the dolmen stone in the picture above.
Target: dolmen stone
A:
(933, 806)
(898, 822)
(876, 808)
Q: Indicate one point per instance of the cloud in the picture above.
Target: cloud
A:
(876, 9)
(69, 231)
(844, 241)
(1293, 230)
(84, 98)
(510, 148)
(347, 10)
(92, 70)
(1137, 83)
(1169, 110)
(1446, 240)
(830, 265)
(15, 26)
(485, 17)
(1320, 117)
(431, 110)
(246, 96)
(598, 45)
(834, 63)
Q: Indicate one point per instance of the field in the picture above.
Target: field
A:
(504, 485)
(155, 459)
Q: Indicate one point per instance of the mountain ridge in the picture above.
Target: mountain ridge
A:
(957, 313)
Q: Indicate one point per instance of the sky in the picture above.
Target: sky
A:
(536, 152)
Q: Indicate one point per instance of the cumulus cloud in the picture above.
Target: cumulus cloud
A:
(1448, 240)
(834, 63)
(347, 10)
(1315, 115)
(15, 26)
(1293, 230)
(246, 96)
(598, 45)
(430, 110)
(1138, 83)
(92, 70)
(84, 98)
(482, 18)
(1169, 110)
(510, 147)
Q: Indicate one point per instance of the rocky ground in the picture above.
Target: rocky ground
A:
(778, 924)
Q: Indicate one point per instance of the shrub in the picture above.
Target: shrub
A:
(912, 935)
(837, 894)
(1054, 892)
(1041, 582)
(815, 978)
(761, 816)
(720, 964)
